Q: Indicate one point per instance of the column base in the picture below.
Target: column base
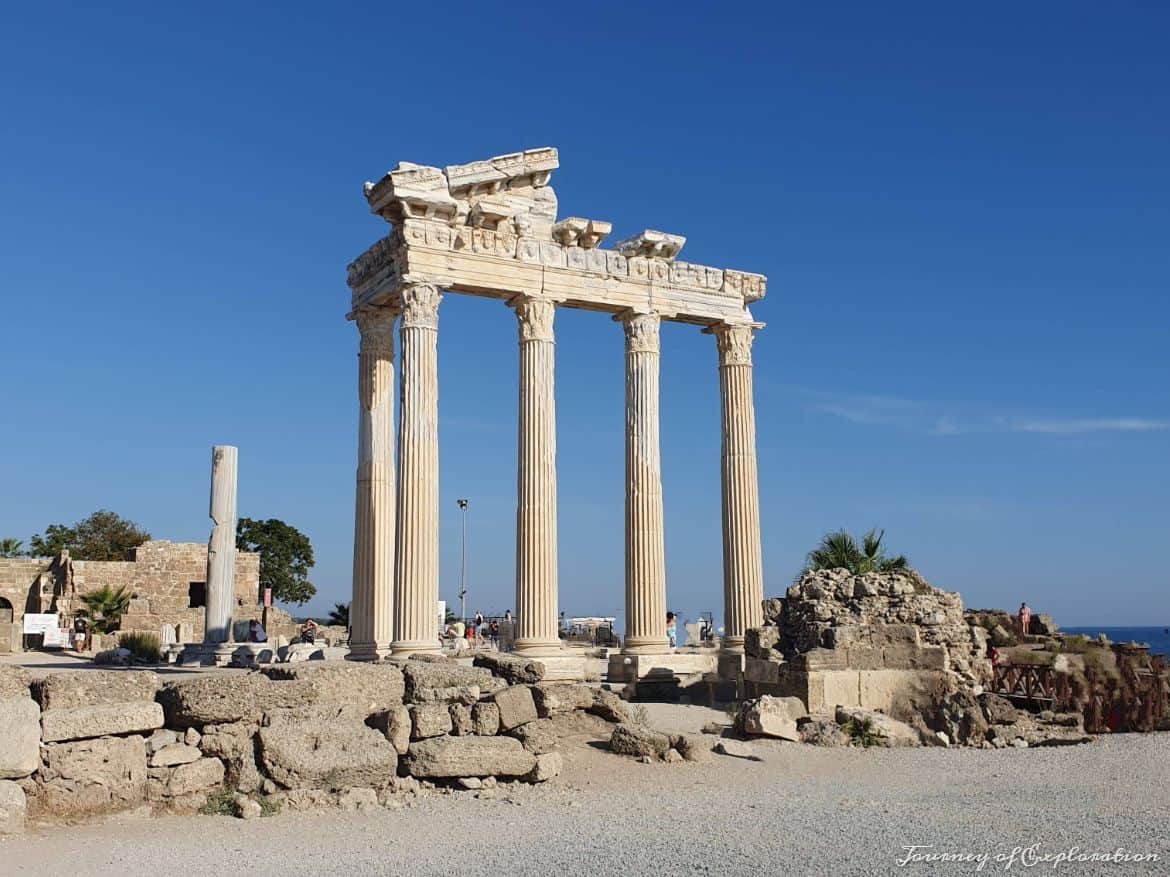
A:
(208, 654)
(564, 667)
(640, 646)
(416, 647)
(535, 648)
(731, 664)
(367, 652)
(664, 667)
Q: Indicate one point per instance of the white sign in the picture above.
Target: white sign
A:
(40, 622)
(56, 637)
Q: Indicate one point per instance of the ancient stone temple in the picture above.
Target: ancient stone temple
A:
(490, 228)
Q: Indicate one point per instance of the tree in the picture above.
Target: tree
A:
(286, 556)
(104, 608)
(840, 550)
(104, 535)
(339, 614)
(11, 548)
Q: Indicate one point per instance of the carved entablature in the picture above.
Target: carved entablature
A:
(490, 228)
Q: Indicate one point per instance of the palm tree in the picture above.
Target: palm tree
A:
(11, 548)
(840, 550)
(104, 608)
(339, 614)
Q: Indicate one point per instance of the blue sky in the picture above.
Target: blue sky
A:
(962, 211)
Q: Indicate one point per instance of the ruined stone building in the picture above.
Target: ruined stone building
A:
(167, 581)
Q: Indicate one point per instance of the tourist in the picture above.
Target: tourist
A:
(478, 619)
(471, 640)
(256, 632)
(1025, 617)
(309, 632)
(494, 633)
(672, 629)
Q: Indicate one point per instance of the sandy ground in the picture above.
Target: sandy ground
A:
(802, 810)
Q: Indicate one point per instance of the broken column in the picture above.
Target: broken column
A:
(221, 549)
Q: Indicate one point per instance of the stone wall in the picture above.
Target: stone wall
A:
(20, 588)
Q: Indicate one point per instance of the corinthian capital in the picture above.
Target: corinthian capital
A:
(734, 342)
(642, 334)
(376, 323)
(535, 317)
(420, 306)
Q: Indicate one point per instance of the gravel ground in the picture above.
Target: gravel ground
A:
(802, 810)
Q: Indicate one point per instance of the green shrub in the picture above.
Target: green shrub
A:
(221, 802)
(862, 733)
(142, 645)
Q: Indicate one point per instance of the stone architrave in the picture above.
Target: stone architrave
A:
(645, 536)
(371, 611)
(416, 552)
(743, 574)
(221, 549)
(536, 488)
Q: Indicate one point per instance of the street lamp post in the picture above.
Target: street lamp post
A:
(463, 503)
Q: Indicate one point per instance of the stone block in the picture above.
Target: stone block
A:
(200, 775)
(486, 718)
(220, 699)
(427, 674)
(516, 706)
(772, 717)
(452, 757)
(538, 737)
(513, 668)
(762, 671)
(638, 741)
(321, 754)
(429, 720)
(91, 776)
(867, 657)
(548, 765)
(609, 706)
(693, 747)
(888, 731)
(461, 723)
(62, 691)
(14, 682)
(371, 687)
(174, 755)
(823, 659)
(396, 724)
(79, 723)
(759, 642)
(893, 634)
(20, 731)
(465, 694)
(553, 698)
(930, 658)
(13, 807)
(235, 745)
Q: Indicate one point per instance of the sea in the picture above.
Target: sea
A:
(1157, 638)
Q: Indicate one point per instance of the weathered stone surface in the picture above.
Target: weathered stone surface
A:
(772, 717)
(548, 765)
(235, 745)
(196, 776)
(13, 807)
(465, 694)
(552, 698)
(83, 722)
(461, 723)
(174, 755)
(421, 675)
(516, 706)
(220, 699)
(736, 749)
(486, 718)
(246, 808)
(318, 754)
(888, 731)
(396, 724)
(638, 740)
(514, 668)
(20, 733)
(63, 691)
(998, 710)
(160, 738)
(692, 747)
(91, 776)
(824, 732)
(538, 736)
(429, 720)
(14, 682)
(450, 757)
(758, 642)
(371, 687)
(192, 737)
(609, 706)
(358, 800)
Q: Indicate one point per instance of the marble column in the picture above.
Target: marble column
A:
(645, 536)
(536, 492)
(221, 549)
(743, 575)
(416, 552)
(370, 612)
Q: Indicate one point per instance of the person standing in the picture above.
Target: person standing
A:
(672, 629)
(1025, 617)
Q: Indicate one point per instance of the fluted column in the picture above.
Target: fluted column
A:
(536, 491)
(221, 547)
(416, 553)
(645, 537)
(743, 575)
(371, 610)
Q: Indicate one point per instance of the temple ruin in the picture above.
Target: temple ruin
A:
(490, 228)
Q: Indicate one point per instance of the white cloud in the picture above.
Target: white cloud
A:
(1105, 424)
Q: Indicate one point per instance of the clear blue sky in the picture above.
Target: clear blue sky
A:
(963, 213)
